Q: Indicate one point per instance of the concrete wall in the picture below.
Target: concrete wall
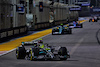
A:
(6, 15)
(5, 12)
(61, 14)
(21, 18)
(7, 25)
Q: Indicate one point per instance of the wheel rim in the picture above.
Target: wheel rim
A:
(31, 55)
(17, 53)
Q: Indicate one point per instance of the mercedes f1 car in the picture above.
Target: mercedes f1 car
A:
(63, 29)
(42, 51)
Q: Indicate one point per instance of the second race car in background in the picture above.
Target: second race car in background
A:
(94, 19)
(75, 24)
(63, 29)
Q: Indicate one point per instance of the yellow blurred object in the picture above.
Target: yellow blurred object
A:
(57, 27)
(66, 27)
(67, 24)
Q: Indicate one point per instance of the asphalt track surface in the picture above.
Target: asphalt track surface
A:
(82, 45)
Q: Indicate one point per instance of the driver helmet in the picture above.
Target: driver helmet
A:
(40, 41)
(35, 43)
(22, 43)
(61, 24)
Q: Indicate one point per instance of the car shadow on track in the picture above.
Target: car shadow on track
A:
(72, 60)
(49, 60)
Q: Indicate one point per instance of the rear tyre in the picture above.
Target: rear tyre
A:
(96, 20)
(63, 52)
(70, 31)
(81, 25)
(52, 33)
(20, 53)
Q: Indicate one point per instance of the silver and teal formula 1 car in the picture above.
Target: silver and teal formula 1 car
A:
(40, 51)
(63, 29)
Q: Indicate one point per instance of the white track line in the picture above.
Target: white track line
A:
(7, 52)
(76, 46)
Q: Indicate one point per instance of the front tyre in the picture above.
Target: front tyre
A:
(81, 25)
(52, 33)
(20, 53)
(70, 31)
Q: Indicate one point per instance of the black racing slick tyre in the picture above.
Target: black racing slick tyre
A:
(70, 31)
(96, 20)
(52, 33)
(20, 53)
(81, 25)
(62, 51)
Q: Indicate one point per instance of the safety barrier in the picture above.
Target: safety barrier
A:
(11, 32)
(44, 25)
